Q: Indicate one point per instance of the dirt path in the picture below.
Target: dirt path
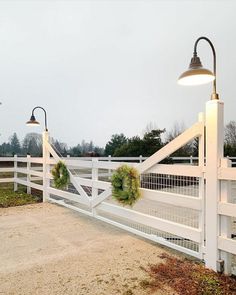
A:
(47, 249)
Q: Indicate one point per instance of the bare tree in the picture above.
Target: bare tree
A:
(176, 130)
(149, 127)
(60, 147)
(32, 144)
(230, 133)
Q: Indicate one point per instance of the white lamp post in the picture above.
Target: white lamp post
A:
(46, 154)
(32, 121)
(214, 126)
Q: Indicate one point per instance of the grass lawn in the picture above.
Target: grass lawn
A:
(9, 198)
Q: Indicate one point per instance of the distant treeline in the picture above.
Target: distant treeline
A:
(32, 145)
(119, 145)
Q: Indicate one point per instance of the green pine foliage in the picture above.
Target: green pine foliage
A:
(61, 175)
(125, 185)
(116, 141)
(136, 146)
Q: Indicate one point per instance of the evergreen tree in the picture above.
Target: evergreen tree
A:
(133, 148)
(75, 151)
(15, 146)
(136, 146)
(117, 140)
(5, 149)
(152, 142)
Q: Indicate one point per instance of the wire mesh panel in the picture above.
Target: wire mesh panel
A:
(157, 234)
(183, 185)
(233, 223)
(233, 200)
(234, 264)
(147, 212)
(164, 211)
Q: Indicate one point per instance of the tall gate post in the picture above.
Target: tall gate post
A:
(214, 153)
(94, 178)
(46, 166)
(225, 221)
(15, 174)
(201, 193)
(28, 167)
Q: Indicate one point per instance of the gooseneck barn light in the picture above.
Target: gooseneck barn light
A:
(33, 121)
(197, 74)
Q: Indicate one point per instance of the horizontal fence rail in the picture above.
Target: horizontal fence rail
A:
(170, 212)
(90, 192)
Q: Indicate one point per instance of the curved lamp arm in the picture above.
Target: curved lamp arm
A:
(214, 94)
(45, 117)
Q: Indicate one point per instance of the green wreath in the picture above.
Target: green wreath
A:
(60, 175)
(125, 185)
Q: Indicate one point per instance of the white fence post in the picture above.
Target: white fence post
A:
(140, 159)
(94, 178)
(214, 153)
(46, 166)
(15, 174)
(191, 160)
(225, 221)
(109, 171)
(28, 174)
(201, 195)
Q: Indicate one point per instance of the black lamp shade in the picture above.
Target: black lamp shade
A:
(32, 121)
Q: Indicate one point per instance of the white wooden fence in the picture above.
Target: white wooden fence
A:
(157, 216)
(171, 211)
(189, 208)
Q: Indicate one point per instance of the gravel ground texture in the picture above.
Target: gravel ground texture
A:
(48, 249)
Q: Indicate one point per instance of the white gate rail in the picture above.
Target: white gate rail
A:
(100, 200)
(225, 243)
(188, 208)
(94, 196)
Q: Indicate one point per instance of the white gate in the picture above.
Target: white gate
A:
(170, 211)
(184, 207)
(189, 208)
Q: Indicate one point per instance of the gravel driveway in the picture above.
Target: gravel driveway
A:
(48, 249)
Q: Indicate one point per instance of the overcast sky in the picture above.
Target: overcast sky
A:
(105, 67)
